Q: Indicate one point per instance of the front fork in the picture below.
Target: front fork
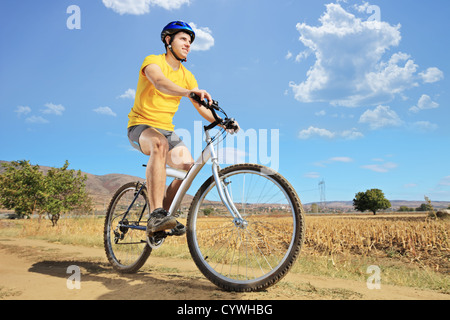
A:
(224, 193)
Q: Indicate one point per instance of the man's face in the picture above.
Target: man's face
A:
(181, 44)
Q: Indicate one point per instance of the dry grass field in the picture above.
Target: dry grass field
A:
(414, 239)
(411, 250)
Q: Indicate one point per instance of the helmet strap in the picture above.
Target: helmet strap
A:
(173, 52)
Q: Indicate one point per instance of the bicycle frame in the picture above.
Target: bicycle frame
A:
(188, 177)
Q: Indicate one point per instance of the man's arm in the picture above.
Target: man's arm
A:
(208, 115)
(205, 113)
(155, 75)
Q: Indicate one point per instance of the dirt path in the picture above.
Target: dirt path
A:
(36, 269)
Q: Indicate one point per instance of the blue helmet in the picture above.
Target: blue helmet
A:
(177, 26)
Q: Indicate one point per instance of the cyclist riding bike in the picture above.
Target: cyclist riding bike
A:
(163, 81)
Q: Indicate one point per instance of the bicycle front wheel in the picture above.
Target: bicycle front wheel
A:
(254, 254)
(125, 241)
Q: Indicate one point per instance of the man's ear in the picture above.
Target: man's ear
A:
(167, 40)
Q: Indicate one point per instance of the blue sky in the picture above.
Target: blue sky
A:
(357, 91)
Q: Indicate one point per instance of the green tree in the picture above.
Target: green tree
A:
(207, 211)
(372, 200)
(21, 187)
(424, 207)
(65, 190)
(26, 190)
(405, 209)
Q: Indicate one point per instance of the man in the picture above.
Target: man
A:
(163, 81)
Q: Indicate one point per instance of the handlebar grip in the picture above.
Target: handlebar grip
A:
(214, 107)
(197, 98)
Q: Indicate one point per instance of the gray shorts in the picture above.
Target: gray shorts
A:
(135, 132)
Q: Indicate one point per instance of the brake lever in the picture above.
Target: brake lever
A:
(214, 104)
(214, 107)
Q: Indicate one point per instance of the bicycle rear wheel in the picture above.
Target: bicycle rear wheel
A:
(256, 254)
(126, 247)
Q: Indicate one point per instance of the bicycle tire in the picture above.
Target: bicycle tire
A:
(231, 246)
(134, 256)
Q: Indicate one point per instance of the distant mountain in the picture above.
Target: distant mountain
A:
(395, 204)
(102, 188)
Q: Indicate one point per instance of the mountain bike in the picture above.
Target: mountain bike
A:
(245, 225)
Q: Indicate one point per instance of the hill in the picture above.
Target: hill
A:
(347, 206)
(102, 188)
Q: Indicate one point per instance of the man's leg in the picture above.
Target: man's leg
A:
(177, 158)
(155, 145)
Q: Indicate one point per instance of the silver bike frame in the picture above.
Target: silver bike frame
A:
(188, 177)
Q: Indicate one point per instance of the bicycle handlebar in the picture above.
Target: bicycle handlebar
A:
(227, 123)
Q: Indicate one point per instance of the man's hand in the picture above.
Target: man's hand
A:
(203, 94)
(236, 128)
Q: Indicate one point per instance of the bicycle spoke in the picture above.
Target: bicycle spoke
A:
(251, 250)
(126, 248)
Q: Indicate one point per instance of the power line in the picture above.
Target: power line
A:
(323, 199)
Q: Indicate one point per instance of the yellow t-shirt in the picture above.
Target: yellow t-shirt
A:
(152, 107)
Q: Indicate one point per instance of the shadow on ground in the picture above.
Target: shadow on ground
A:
(150, 284)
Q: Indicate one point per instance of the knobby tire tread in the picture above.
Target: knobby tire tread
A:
(293, 254)
(146, 251)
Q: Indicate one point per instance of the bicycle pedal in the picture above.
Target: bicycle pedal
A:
(159, 235)
(157, 239)
(178, 231)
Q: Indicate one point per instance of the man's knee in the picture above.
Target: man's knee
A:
(180, 158)
(187, 165)
(159, 145)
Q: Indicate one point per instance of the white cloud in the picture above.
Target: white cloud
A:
(341, 159)
(312, 175)
(129, 94)
(381, 116)
(351, 68)
(324, 163)
(22, 110)
(106, 111)
(361, 8)
(303, 55)
(36, 119)
(382, 168)
(203, 38)
(394, 77)
(313, 131)
(288, 55)
(424, 103)
(56, 109)
(445, 181)
(170, 4)
(424, 126)
(321, 113)
(138, 7)
(351, 134)
(432, 75)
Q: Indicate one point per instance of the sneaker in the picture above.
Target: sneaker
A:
(160, 221)
(179, 230)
